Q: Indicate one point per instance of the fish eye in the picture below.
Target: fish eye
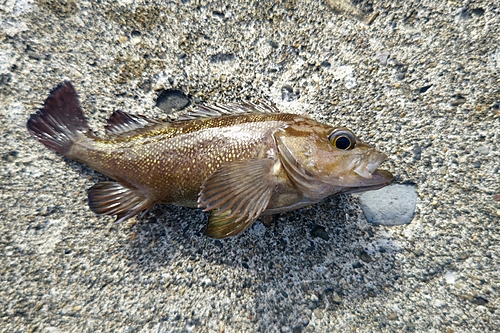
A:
(342, 139)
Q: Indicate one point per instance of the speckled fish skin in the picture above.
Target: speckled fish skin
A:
(237, 161)
(170, 162)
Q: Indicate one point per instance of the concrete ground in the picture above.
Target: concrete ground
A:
(418, 79)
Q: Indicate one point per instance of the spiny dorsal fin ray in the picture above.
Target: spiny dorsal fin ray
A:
(217, 110)
(121, 123)
(110, 198)
(237, 193)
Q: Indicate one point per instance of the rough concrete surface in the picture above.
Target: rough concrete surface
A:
(418, 79)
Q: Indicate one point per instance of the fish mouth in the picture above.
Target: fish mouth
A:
(369, 165)
(371, 178)
(380, 178)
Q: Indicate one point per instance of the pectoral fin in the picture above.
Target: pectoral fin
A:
(110, 198)
(237, 194)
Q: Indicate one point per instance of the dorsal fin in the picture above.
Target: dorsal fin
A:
(217, 110)
(123, 123)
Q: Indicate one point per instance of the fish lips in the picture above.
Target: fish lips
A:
(369, 177)
(379, 178)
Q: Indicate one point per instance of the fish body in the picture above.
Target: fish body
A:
(239, 161)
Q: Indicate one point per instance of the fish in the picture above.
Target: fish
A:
(238, 161)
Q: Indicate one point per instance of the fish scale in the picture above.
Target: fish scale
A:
(190, 156)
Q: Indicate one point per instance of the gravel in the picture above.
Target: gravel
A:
(419, 80)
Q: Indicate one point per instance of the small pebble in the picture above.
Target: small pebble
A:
(483, 150)
(400, 76)
(318, 313)
(357, 264)
(392, 316)
(424, 88)
(417, 152)
(169, 100)
(383, 57)
(391, 205)
(336, 299)
(478, 300)
(457, 100)
(365, 257)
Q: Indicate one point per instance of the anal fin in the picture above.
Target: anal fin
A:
(110, 198)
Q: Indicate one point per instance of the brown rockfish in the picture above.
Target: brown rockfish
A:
(238, 161)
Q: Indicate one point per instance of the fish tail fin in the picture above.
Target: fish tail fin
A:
(110, 198)
(61, 121)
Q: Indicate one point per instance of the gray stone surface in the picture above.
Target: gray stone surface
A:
(431, 103)
(389, 206)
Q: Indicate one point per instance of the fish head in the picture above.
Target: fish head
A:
(322, 160)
